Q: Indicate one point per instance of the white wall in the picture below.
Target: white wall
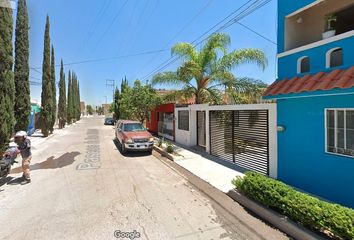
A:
(182, 136)
(189, 138)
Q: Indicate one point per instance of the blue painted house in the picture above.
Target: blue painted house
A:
(315, 97)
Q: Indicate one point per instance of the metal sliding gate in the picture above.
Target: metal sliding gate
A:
(241, 137)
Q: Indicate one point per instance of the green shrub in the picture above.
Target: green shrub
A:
(309, 211)
(169, 148)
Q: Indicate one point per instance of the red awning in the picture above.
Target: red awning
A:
(338, 78)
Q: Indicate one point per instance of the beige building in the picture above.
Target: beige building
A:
(83, 108)
(106, 109)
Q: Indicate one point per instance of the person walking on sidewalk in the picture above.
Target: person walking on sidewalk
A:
(24, 146)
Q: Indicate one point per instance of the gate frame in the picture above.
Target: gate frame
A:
(205, 129)
(189, 138)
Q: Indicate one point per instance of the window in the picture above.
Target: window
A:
(303, 65)
(183, 120)
(334, 58)
(133, 127)
(340, 131)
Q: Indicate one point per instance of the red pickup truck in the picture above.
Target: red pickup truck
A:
(133, 136)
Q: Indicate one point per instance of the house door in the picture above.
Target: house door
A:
(201, 131)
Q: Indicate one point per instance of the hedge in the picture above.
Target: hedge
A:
(307, 210)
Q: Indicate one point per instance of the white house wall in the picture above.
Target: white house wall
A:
(182, 136)
(189, 138)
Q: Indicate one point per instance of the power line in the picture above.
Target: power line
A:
(250, 9)
(146, 22)
(128, 41)
(110, 24)
(174, 59)
(34, 83)
(36, 78)
(260, 35)
(224, 19)
(179, 32)
(109, 58)
(35, 69)
(111, 83)
(246, 12)
(95, 23)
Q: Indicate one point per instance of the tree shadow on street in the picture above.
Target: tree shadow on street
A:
(52, 163)
(132, 153)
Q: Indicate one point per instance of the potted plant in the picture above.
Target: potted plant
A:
(169, 148)
(330, 30)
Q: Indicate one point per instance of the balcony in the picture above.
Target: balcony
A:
(311, 24)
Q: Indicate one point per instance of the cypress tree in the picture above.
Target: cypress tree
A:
(72, 105)
(116, 114)
(124, 84)
(69, 105)
(22, 107)
(62, 98)
(76, 99)
(54, 90)
(73, 97)
(79, 100)
(7, 84)
(47, 102)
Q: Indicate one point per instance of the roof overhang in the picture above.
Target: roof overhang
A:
(319, 83)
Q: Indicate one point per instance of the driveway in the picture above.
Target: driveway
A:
(83, 188)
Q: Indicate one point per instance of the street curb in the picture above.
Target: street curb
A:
(279, 221)
(206, 188)
(163, 153)
(275, 219)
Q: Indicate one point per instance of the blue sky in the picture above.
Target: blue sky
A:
(87, 29)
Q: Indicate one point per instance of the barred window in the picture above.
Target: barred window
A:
(340, 131)
(183, 120)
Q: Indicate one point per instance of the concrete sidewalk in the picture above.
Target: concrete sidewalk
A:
(37, 137)
(211, 169)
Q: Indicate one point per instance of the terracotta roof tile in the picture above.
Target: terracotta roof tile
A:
(299, 84)
(320, 81)
(312, 82)
(277, 86)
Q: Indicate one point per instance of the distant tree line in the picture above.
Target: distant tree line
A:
(134, 102)
(89, 110)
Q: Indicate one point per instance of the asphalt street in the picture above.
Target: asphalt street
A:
(84, 188)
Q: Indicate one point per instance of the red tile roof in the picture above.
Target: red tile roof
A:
(338, 78)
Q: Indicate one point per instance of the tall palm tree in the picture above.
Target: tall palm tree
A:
(246, 91)
(203, 74)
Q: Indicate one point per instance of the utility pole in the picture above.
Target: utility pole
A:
(112, 84)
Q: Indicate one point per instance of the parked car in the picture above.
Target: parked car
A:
(133, 136)
(109, 121)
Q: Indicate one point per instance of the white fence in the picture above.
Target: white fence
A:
(189, 137)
